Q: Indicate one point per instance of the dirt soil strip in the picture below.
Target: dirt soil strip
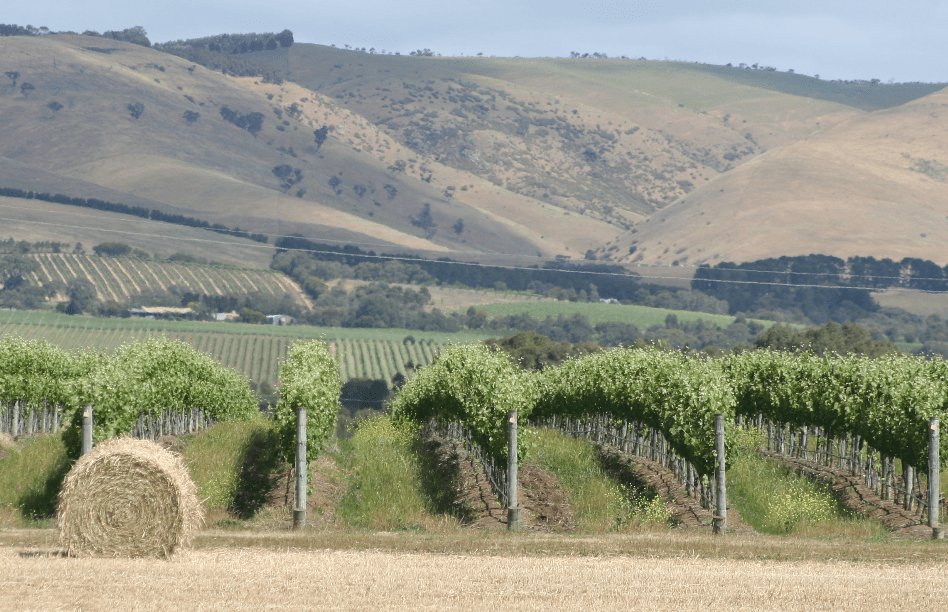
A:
(653, 479)
(292, 288)
(544, 506)
(853, 493)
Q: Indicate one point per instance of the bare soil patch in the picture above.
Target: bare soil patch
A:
(544, 505)
(651, 479)
(853, 493)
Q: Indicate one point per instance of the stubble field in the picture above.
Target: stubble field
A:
(526, 572)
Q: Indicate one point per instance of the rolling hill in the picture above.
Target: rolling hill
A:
(151, 125)
(630, 161)
(875, 184)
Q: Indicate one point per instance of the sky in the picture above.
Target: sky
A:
(835, 39)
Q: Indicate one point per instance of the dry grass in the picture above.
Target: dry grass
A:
(916, 302)
(6, 443)
(128, 498)
(848, 190)
(36, 221)
(241, 578)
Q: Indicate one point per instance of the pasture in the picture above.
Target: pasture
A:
(598, 312)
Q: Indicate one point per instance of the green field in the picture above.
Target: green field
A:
(598, 312)
(255, 350)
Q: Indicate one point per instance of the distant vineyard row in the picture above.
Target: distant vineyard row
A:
(256, 355)
(122, 278)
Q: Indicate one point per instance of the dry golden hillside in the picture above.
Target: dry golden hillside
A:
(875, 184)
(636, 161)
(611, 139)
(185, 139)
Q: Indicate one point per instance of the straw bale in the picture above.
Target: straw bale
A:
(128, 498)
(6, 442)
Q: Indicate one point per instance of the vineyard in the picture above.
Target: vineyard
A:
(123, 278)
(865, 412)
(254, 350)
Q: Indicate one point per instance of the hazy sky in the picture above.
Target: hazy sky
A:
(848, 39)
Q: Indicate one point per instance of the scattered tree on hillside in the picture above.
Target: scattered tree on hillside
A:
(248, 315)
(54, 106)
(82, 297)
(252, 122)
(13, 76)
(321, 134)
(136, 109)
(314, 287)
(533, 351)
(26, 88)
(191, 116)
(288, 176)
(285, 38)
(17, 30)
(458, 226)
(136, 35)
(829, 339)
(425, 221)
(112, 249)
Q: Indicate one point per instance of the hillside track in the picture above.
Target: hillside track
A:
(851, 491)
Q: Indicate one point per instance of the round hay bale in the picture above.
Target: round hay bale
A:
(128, 498)
(7, 442)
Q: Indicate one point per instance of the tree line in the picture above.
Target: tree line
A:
(136, 211)
(820, 287)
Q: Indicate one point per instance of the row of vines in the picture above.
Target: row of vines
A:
(158, 383)
(122, 278)
(256, 355)
(881, 405)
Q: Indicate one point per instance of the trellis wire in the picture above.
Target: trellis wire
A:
(848, 452)
(496, 471)
(19, 420)
(634, 438)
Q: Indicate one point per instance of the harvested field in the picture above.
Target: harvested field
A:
(251, 579)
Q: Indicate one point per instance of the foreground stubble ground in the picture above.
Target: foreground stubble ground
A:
(653, 571)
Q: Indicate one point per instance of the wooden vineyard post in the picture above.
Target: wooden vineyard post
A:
(719, 522)
(302, 470)
(934, 487)
(86, 429)
(909, 487)
(513, 508)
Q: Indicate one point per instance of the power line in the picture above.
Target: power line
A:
(387, 245)
(413, 259)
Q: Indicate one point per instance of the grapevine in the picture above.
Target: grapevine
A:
(308, 378)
